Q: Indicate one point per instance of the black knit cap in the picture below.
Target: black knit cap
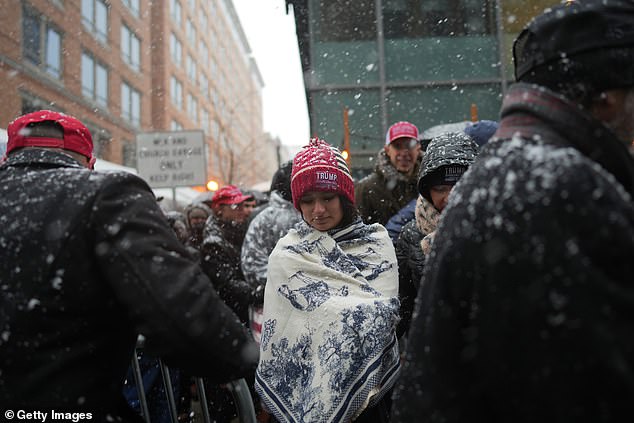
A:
(589, 42)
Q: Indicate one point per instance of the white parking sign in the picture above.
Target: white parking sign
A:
(172, 159)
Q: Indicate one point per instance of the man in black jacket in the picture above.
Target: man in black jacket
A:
(87, 262)
(526, 311)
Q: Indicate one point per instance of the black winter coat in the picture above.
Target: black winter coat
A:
(526, 311)
(220, 254)
(384, 192)
(88, 261)
(411, 261)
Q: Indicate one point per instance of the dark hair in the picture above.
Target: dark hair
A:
(46, 129)
(350, 211)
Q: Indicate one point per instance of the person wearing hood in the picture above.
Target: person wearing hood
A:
(329, 349)
(89, 262)
(447, 157)
(392, 184)
(525, 312)
(196, 215)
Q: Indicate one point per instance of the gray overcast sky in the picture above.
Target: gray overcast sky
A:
(271, 35)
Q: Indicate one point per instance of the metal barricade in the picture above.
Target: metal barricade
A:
(238, 388)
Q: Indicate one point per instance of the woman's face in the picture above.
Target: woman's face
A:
(321, 210)
(439, 196)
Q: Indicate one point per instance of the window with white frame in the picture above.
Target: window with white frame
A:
(203, 21)
(215, 129)
(204, 54)
(176, 12)
(192, 108)
(176, 50)
(130, 48)
(190, 31)
(192, 5)
(94, 79)
(175, 126)
(94, 15)
(130, 104)
(190, 67)
(204, 120)
(133, 6)
(42, 43)
(176, 93)
(204, 85)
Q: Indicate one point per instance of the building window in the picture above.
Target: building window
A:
(32, 103)
(204, 21)
(343, 20)
(204, 85)
(204, 54)
(192, 5)
(133, 6)
(94, 15)
(130, 104)
(176, 50)
(190, 67)
(437, 18)
(175, 11)
(130, 48)
(192, 108)
(94, 80)
(42, 43)
(176, 93)
(175, 126)
(204, 117)
(190, 30)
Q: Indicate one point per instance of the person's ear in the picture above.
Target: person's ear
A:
(608, 105)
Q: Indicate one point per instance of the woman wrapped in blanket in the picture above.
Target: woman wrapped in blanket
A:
(329, 350)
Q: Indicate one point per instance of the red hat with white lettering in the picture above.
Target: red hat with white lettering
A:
(76, 136)
(401, 130)
(320, 167)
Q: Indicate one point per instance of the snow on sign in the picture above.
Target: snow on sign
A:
(172, 159)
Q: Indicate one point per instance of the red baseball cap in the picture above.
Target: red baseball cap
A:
(229, 194)
(76, 136)
(401, 130)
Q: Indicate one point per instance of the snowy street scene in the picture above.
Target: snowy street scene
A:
(317, 211)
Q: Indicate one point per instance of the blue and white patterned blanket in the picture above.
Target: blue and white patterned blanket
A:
(329, 348)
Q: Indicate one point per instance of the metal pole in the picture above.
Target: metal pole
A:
(140, 388)
(202, 397)
(380, 39)
(499, 25)
(242, 398)
(169, 392)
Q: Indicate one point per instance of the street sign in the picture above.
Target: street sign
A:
(172, 159)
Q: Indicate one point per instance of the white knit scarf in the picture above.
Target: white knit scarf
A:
(331, 305)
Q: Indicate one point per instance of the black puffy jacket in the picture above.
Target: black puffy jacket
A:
(88, 261)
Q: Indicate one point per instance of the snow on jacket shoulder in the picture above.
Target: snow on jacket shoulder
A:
(88, 261)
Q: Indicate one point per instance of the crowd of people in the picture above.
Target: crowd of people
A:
(485, 275)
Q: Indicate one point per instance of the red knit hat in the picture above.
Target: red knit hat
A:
(320, 167)
(76, 137)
